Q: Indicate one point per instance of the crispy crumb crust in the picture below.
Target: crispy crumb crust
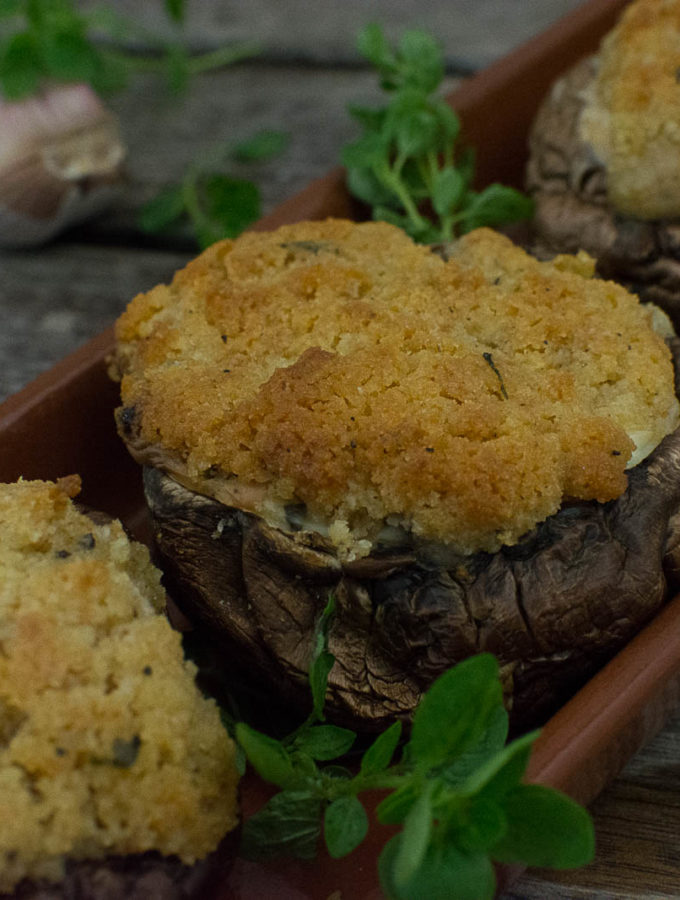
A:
(106, 745)
(632, 117)
(343, 367)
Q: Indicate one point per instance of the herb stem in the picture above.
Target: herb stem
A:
(192, 202)
(391, 179)
(224, 56)
(202, 62)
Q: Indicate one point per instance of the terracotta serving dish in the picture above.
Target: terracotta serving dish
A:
(63, 423)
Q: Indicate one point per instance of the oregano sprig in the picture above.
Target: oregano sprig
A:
(456, 790)
(407, 165)
(53, 40)
(216, 205)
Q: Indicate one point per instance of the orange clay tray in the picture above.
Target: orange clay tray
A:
(63, 423)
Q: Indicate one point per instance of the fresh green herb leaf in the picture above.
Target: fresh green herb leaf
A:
(232, 204)
(379, 755)
(415, 838)
(373, 45)
(177, 69)
(325, 742)
(322, 661)
(175, 9)
(545, 828)
(421, 62)
(318, 680)
(216, 205)
(446, 873)
(163, 210)
(503, 771)
(485, 824)
(54, 40)
(21, 66)
(456, 791)
(407, 165)
(495, 205)
(454, 713)
(268, 756)
(395, 807)
(345, 825)
(288, 825)
(490, 743)
(10, 8)
(448, 187)
(69, 56)
(260, 147)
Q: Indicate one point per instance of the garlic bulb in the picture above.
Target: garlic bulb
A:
(61, 158)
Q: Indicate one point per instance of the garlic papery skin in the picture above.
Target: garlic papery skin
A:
(61, 159)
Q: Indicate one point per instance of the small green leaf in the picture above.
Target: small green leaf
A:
(447, 118)
(496, 205)
(162, 210)
(345, 825)
(110, 76)
(9, 8)
(545, 828)
(365, 185)
(21, 67)
(485, 825)
(410, 124)
(373, 45)
(447, 190)
(267, 756)
(69, 56)
(232, 204)
(177, 70)
(175, 9)
(371, 119)
(325, 742)
(379, 755)
(260, 147)
(369, 150)
(288, 825)
(446, 873)
(490, 743)
(455, 711)
(503, 771)
(318, 680)
(322, 661)
(420, 60)
(415, 838)
(395, 807)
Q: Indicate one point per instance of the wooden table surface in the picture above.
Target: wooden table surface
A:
(52, 299)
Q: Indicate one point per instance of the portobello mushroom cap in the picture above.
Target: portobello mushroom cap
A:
(603, 158)
(137, 876)
(553, 608)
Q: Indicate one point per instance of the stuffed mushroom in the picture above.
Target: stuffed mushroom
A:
(459, 446)
(117, 778)
(604, 149)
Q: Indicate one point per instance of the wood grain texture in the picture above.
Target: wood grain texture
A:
(473, 32)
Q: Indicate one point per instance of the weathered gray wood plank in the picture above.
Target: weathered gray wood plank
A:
(54, 299)
(473, 33)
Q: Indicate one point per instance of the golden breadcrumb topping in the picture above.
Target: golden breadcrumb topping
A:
(342, 367)
(106, 744)
(632, 117)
